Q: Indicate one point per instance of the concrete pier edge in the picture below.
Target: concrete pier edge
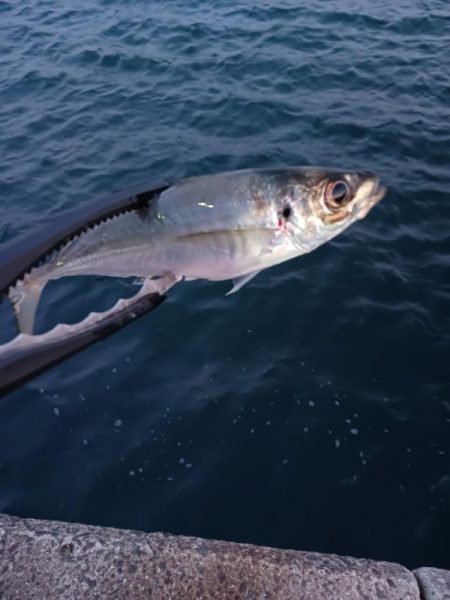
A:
(52, 560)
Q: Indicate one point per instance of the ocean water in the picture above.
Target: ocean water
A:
(312, 409)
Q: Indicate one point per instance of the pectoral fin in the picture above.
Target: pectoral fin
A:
(241, 281)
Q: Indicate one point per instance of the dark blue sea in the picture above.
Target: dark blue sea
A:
(312, 409)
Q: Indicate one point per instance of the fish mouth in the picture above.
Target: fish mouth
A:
(369, 194)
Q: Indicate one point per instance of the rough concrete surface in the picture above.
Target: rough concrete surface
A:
(47, 560)
(434, 583)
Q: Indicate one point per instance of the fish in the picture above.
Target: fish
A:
(225, 226)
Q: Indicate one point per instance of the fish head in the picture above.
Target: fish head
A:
(323, 203)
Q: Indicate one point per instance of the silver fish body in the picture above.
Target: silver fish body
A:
(217, 227)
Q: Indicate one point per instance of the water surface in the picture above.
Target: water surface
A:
(312, 409)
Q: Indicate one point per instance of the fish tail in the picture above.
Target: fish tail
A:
(25, 296)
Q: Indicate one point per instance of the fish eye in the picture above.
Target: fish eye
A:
(337, 194)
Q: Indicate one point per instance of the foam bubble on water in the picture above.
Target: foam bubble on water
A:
(56, 411)
(118, 423)
(311, 403)
(182, 461)
(354, 431)
(132, 473)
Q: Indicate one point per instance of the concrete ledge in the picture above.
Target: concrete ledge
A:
(51, 560)
(434, 583)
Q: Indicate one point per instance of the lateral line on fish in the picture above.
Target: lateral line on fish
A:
(218, 232)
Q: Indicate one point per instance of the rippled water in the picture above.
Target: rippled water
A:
(312, 409)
